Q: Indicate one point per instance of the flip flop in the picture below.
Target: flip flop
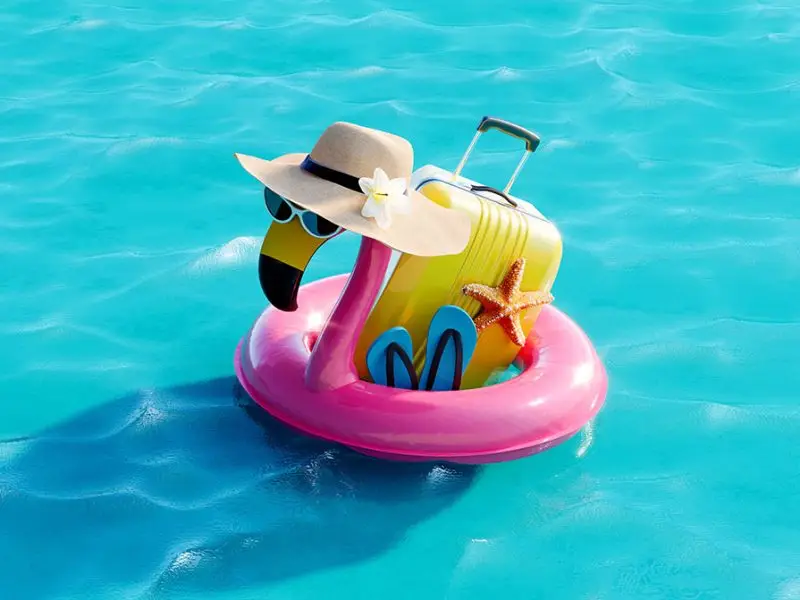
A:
(389, 360)
(452, 338)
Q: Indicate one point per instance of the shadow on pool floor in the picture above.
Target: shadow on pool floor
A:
(195, 488)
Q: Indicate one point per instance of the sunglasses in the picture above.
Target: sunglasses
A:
(283, 211)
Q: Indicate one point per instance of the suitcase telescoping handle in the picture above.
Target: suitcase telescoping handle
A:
(531, 139)
(531, 143)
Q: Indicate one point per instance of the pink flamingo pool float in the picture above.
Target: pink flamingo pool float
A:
(306, 378)
(297, 362)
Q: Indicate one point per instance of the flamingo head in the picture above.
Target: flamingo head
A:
(292, 238)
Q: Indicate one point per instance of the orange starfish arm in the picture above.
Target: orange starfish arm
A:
(484, 294)
(513, 328)
(513, 279)
(531, 299)
(485, 319)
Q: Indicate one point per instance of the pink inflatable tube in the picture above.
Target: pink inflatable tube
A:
(303, 374)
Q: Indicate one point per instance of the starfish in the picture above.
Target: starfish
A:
(504, 303)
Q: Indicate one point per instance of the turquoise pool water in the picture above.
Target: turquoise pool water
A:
(130, 468)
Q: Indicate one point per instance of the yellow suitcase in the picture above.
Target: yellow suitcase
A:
(504, 229)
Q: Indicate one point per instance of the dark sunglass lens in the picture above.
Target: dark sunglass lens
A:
(327, 228)
(318, 226)
(277, 206)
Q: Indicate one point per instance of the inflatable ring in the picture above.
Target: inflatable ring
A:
(294, 366)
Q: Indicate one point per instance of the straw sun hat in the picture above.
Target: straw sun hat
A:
(358, 178)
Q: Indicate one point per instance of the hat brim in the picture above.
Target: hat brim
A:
(427, 230)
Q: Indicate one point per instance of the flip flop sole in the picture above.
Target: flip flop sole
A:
(389, 360)
(452, 338)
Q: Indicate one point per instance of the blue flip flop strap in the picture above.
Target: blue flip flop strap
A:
(437, 358)
(395, 348)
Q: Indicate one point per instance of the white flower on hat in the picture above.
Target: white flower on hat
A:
(384, 197)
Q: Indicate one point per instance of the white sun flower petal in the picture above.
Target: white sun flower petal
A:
(400, 203)
(371, 208)
(366, 184)
(381, 179)
(383, 218)
(384, 196)
(397, 186)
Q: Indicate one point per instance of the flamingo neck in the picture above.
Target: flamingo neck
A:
(331, 363)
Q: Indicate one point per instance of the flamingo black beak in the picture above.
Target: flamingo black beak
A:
(285, 254)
